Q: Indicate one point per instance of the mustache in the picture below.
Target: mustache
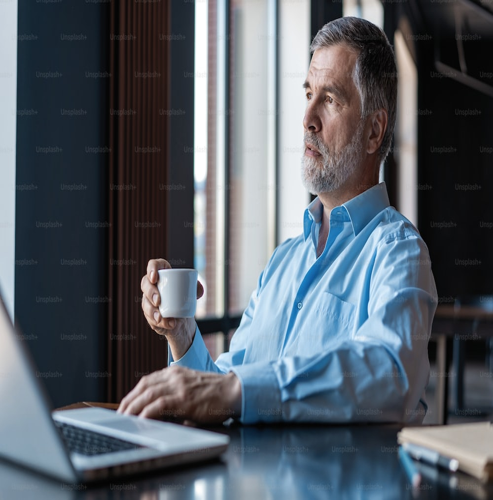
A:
(354, 144)
(316, 142)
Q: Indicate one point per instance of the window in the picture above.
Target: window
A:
(372, 10)
(238, 184)
(406, 130)
(235, 177)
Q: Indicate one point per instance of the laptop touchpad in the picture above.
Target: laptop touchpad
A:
(171, 433)
(130, 425)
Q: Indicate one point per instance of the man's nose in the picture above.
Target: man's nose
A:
(311, 120)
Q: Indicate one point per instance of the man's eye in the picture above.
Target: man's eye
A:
(330, 100)
(308, 96)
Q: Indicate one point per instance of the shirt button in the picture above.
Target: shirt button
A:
(300, 305)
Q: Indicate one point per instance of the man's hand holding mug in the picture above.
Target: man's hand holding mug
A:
(169, 292)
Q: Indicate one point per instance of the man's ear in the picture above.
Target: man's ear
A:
(378, 126)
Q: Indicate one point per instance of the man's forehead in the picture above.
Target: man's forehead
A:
(335, 62)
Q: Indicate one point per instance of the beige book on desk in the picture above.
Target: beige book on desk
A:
(470, 444)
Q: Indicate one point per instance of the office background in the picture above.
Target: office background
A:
(173, 129)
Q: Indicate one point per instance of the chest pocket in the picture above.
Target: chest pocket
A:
(330, 321)
(336, 315)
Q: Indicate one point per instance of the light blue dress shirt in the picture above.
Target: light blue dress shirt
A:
(338, 338)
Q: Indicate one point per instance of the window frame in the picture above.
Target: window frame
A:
(223, 324)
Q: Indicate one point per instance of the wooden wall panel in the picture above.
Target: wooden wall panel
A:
(138, 176)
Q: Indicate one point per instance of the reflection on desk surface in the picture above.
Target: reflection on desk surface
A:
(286, 462)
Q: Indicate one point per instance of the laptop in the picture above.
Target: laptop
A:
(86, 444)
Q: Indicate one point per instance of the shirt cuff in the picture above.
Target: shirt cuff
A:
(196, 356)
(260, 393)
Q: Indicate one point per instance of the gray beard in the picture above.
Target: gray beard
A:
(330, 171)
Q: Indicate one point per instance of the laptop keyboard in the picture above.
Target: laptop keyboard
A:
(89, 443)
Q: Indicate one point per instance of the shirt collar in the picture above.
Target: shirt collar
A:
(361, 209)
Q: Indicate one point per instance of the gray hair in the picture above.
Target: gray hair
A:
(375, 72)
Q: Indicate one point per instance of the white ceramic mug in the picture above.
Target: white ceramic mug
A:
(178, 290)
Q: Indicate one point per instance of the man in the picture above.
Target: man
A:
(338, 328)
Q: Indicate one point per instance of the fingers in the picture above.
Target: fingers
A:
(153, 267)
(154, 396)
(145, 399)
(162, 407)
(146, 389)
(138, 402)
(151, 313)
(154, 318)
(150, 291)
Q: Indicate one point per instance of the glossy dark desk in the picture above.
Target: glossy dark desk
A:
(291, 462)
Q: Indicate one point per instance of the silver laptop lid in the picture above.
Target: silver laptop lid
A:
(27, 432)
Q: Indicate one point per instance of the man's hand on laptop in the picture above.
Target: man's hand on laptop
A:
(178, 392)
(179, 332)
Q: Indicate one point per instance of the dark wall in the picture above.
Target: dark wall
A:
(62, 191)
(455, 171)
